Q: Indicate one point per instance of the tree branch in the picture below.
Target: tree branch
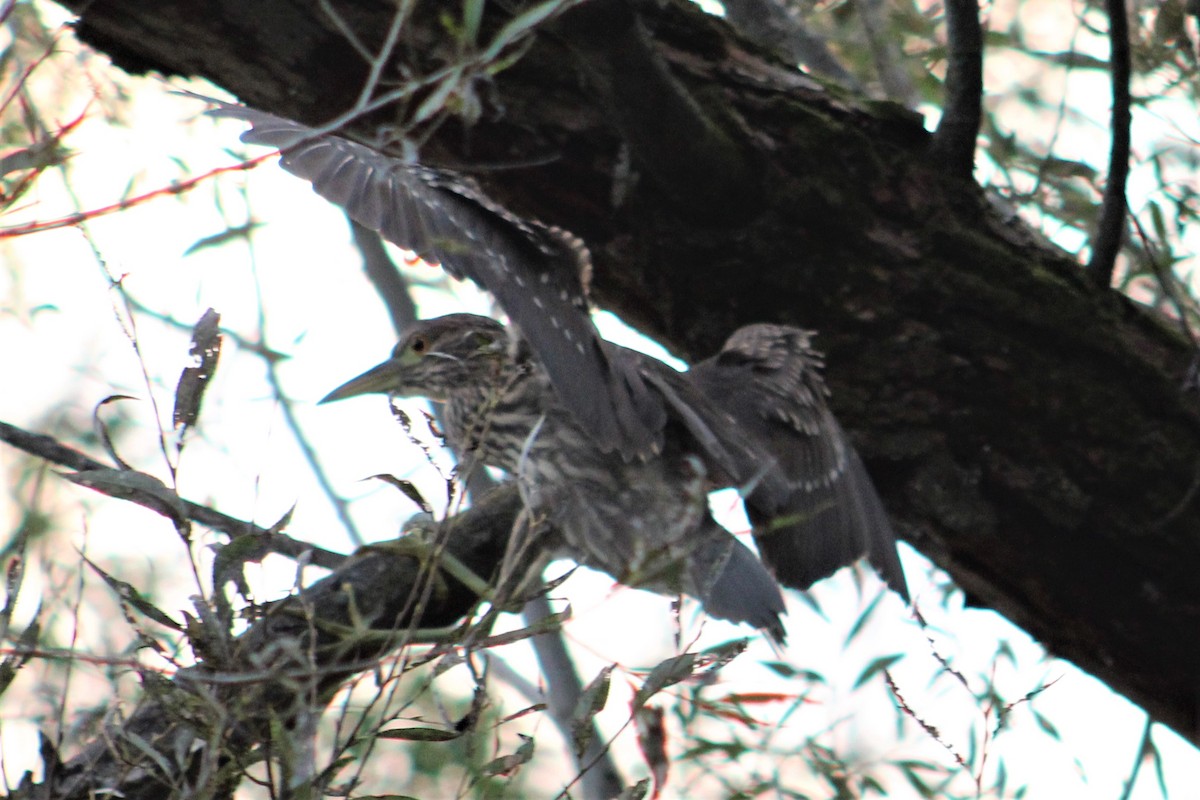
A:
(55, 452)
(288, 664)
(1110, 230)
(954, 141)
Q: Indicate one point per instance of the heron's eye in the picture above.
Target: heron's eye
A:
(419, 345)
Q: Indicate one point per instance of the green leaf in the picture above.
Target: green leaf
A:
(788, 671)
(101, 429)
(1046, 725)
(1156, 217)
(206, 352)
(875, 667)
(131, 596)
(861, 622)
(419, 734)
(668, 673)
(472, 17)
(436, 101)
(231, 234)
(591, 702)
(505, 765)
(148, 750)
(522, 25)
(1071, 58)
(407, 488)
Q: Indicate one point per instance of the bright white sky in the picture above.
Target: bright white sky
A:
(305, 280)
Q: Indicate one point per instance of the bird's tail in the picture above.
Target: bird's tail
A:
(733, 584)
(815, 533)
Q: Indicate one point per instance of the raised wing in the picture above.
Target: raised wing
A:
(767, 378)
(537, 273)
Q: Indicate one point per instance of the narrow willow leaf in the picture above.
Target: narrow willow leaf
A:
(505, 765)
(101, 429)
(591, 702)
(205, 352)
(419, 734)
(875, 667)
(132, 597)
(407, 488)
(668, 673)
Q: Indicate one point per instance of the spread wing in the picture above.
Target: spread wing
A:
(767, 378)
(537, 273)
(732, 458)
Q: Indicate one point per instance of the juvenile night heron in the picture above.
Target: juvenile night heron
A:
(616, 449)
(753, 417)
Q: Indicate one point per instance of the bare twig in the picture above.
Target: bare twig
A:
(1111, 229)
(954, 141)
(1145, 743)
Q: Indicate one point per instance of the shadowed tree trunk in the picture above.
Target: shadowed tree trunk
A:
(1026, 429)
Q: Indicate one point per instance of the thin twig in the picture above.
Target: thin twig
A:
(1111, 229)
(954, 141)
(1144, 745)
(380, 61)
(385, 276)
(1167, 282)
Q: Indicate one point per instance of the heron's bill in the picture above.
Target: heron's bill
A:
(377, 380)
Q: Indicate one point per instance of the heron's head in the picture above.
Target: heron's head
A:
(436, 358)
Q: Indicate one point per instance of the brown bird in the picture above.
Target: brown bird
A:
(646, 521)
(615, 448)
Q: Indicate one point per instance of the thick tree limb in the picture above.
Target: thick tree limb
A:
(1024, 427)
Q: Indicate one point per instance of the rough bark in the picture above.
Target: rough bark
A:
(1026, 429)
